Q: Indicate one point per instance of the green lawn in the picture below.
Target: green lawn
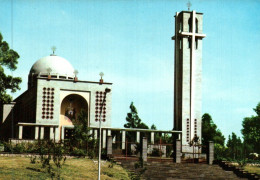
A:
(252, 169)
(76, 168)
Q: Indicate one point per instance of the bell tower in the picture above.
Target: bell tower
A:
(187, 75)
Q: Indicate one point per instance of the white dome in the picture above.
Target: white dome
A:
(53, 65)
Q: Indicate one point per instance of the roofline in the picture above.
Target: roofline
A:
(72, 80)
(190, 12)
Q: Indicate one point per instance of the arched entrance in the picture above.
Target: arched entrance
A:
(71, 105)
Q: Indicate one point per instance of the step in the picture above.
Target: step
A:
(169, 170)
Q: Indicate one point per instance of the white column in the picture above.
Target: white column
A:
(95, 134)
(57, 134)
(138, 136)
(152, 137)
(104, 138)
(42, 133)
(114, 139)
(109, 132)
(36, 132)
(51, 133)
(20, 132)
(90, 133)
(123, 139)
(62, 133)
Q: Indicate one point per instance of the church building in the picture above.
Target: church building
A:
(54, 98)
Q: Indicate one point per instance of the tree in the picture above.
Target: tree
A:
(235, 147)
(133, 120)
(81, 129)
(81, 141)
(8, 59)
(251, 131)
(210, 131)
(153, 127)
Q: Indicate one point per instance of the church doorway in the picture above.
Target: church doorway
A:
(71, 106)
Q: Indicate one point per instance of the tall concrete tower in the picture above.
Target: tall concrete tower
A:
(187, 78)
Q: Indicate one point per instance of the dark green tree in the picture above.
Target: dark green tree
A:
(81, 129)
(81, 142)
(210, 131)
(153, 127)
(133, 120)
(9, 60)
(235, 147)
(251, 131)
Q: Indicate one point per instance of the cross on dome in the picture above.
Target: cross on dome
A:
(53, 48)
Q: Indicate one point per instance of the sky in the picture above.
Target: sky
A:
(130, 42)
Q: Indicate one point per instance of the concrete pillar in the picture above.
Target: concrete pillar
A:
(57, 134)
(20, 132)
(123, 139)
(109, 132)
(114, 139)
(178, 151)
(210, 154)
(109, 145)
(42, 133)
(51, 133)
(90, 133)
(144, 149)
(104, 138)
(138, 136)
(62, 133)
(95, 134)
(152, 137)
(36, 132)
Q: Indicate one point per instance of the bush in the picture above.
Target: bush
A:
(49, 150)
(8, 147)
(91, 154)
(78, 152)
(220, 151)
(156, 152)
(21, 147)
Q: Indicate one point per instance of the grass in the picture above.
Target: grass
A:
(75, 168)
(252, 169)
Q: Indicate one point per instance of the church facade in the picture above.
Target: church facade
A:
(54, 98)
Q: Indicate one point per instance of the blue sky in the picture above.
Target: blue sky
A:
(130, 41)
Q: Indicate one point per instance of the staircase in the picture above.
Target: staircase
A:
(168, 171)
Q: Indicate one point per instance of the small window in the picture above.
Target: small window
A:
(189, 42)
(180, 27)
(196, 26)
(190, 24)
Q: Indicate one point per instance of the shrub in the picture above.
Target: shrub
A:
(156, 152)
(49, 150)
(78, 152)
